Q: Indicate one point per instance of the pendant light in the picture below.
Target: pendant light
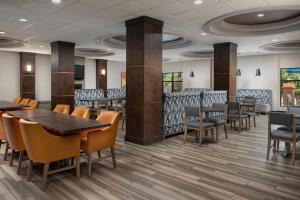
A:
(258, 73)
(238, 72)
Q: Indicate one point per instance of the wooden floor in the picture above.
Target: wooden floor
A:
(235, 168)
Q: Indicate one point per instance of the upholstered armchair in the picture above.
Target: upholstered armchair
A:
(3, 138)
(62, 108)
(82, 112)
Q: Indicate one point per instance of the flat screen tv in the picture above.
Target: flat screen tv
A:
(79, 72)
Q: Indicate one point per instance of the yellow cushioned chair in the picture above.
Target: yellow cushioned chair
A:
(17, 100)
(100, 139)
(42, 147)
(62, 108)
(14, 137)
(25, 102)
(3, 138)
(82, 112)
(33, 105)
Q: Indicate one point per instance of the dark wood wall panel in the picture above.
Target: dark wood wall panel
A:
(225, 65)
(27, 78)
(101, 80)
(144, 80)
(62, 73)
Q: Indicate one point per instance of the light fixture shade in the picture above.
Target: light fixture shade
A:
(103, 72)
(258, 73)
(192, 75)
(238, 72)
(28, 68)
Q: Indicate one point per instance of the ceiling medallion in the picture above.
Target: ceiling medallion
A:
(255, 22)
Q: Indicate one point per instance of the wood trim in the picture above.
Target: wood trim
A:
(27, 79)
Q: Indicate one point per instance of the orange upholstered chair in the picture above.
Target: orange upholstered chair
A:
(14, 137)
(3, 136)
(82, 112)
(25, 102)
(32, 105)
(45, 148)
(100, 139)
(62, 108)
(17, 100)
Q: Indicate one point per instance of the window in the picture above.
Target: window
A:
(172, 82)
(290, 86)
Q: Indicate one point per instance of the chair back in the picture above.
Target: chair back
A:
(233, 107)
(294, 110)
(25, 102)
(13, 132)
(17, 100)
(192, 111)
(249, 97)
(2, 132)
(62, 108)
(221, 106)
(82, 112)
(111, 117)
(34, 104)
(281, 118)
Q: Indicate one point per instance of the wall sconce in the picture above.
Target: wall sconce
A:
(192, 75)
(238, 72)
(102, 72)
(28, 68)
(257, 72)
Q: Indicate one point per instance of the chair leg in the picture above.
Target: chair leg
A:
(29, 170)
(12, 157)
(99, 155)
(200, 137)
(268, 148)
(230, 124)
(45, 174)
(89, 159)
(247, 124)
(20, 162)
(217, 133)
(212, 132)
(254, 121)
(225, 130)
(78, 167)
(277, 145)
(240, 123)
(294, 152)
(274, 146)
(113, 155)
(123, 123)
(6, 150)
(185, 134)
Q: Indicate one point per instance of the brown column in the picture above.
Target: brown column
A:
(62, 73)
(101, 79)
(225, 62)
(27, 75)
(144, 80)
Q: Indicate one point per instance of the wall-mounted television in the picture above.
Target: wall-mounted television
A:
(79, 72)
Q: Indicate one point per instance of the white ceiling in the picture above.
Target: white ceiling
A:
(84, 21)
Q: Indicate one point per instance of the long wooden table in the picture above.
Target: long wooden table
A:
(7, 105)
(60, 123)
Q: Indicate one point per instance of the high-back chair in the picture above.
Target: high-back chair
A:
(17, 100)
(45, 148)
(32, 105)
(3, 138)
(14, 138)
(62, 108)
(100, 139)
(251, 110)
(82, 112)
(25, 102)
(219, 120)
(194, 120)
(235, 114)
(288, 135)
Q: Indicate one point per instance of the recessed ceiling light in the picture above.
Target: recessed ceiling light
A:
(274, 40)
(22, 20)
(260, 15)
(56, 1)
(2, 32)
(198, 2)
(41, 46)
(203, 33)
(242, 51)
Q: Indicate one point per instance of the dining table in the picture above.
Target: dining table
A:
(7, 105)
(61, 124)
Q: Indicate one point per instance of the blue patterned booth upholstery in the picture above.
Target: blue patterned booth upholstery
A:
(116, 92)
(87, 94)
(174, 104)
(196, 90)
(264, 103)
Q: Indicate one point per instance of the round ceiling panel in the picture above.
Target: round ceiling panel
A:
(93, 52)
(6, 42)
(287, 46)
(198, 54)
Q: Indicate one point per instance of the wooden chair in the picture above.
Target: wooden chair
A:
(3, 138)
(45, 148)
(235, 114)
(25, 102)
(62, 108)
(103, 138)
(219, 121)
(14, 138)
(194, 120)
(17, 100)
(251, 110)
(82, 112)
(123, 114)
(288, 135)
(33, 104)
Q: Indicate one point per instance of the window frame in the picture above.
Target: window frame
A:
(172, 80)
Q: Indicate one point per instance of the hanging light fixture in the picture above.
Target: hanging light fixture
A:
(192, 75)
(257, 72)
(238, 72)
